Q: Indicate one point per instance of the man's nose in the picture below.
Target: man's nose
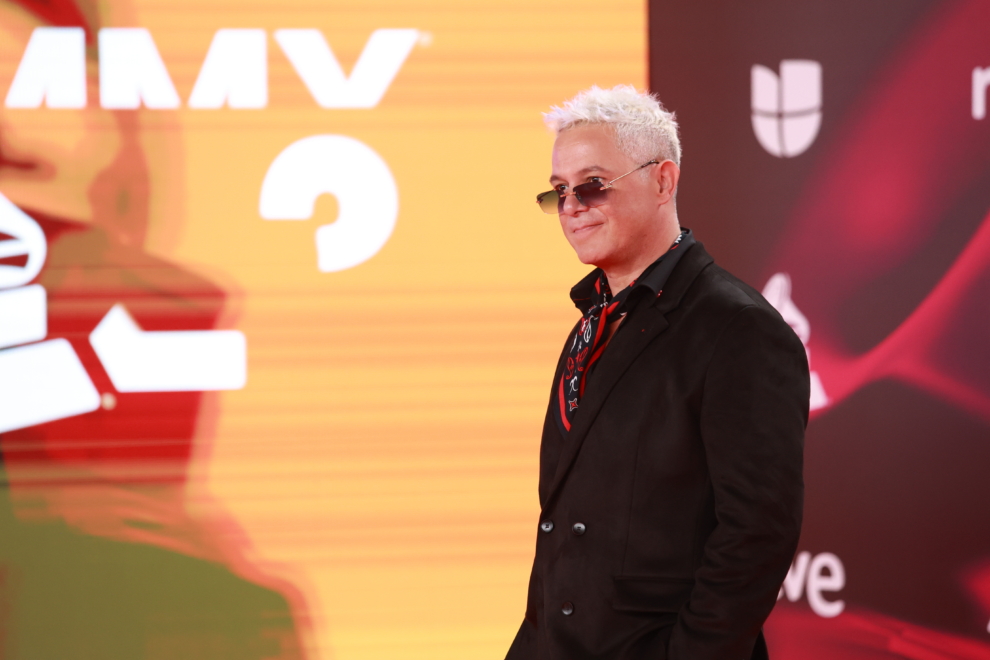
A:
(572, 206)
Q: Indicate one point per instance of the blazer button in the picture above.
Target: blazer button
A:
(567, 608)
(547, 525)
(579, 529)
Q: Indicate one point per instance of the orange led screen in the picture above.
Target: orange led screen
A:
(278, 316)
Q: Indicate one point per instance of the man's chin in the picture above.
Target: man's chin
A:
(586, 258)
(592, 256)
(588, 254)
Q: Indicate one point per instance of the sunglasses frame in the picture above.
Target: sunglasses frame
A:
(577, 193)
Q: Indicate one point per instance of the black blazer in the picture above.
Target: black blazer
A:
(671, 511)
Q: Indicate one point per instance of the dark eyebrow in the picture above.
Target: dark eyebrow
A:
(590, 168)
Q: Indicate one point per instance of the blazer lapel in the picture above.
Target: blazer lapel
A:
(641, 327)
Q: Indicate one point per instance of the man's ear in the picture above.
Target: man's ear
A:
(667, 175)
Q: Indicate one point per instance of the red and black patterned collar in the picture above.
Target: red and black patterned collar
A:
(599, 308)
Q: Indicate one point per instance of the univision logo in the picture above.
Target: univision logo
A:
(787, 109)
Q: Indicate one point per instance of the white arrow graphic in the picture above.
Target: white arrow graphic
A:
(170, 361)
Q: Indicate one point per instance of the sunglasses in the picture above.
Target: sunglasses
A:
(587, 194)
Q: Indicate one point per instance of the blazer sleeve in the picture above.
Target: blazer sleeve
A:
(754, 412)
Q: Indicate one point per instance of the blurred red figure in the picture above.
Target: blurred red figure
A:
(103, 495)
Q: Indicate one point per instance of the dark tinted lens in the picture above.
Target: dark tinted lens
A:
(549, 201)
(591, 193)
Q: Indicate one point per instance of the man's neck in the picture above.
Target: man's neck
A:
(622, 275)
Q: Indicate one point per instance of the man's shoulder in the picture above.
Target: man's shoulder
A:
(717, 296)
(719, 309)
(719, 286)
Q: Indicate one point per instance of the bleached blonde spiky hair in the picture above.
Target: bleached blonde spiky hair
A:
(644, 129)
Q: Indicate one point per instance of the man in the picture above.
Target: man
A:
(670, 465)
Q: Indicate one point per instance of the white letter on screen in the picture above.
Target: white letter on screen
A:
(53, 70)
(348, 169)
(132, 71)
(378, 65)
(818, 582)
(981, 80)
(234, 72)
(168, 361)
(796, 576)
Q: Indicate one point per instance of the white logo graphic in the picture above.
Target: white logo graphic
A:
(45, 381)
(235, 71)
(38, 382)
(777, 291)
(23, 315)
(348, 169)
(234, 74)
(41, 383)
(27, 240)
(823, 572)
(787, 109)
(981, 81)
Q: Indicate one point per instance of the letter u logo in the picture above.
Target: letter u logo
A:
(787, 110)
